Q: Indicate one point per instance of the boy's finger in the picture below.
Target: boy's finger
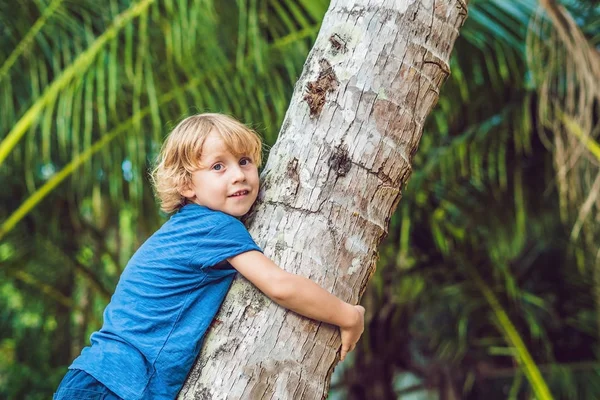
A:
(343, 353)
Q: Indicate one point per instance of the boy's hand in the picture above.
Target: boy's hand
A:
(351, 332)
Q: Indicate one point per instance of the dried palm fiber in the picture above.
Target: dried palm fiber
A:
(566, 71)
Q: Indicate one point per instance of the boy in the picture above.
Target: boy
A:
(174, 284)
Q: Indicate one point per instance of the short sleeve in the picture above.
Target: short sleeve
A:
(226, 240)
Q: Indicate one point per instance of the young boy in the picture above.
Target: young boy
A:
(173, 286)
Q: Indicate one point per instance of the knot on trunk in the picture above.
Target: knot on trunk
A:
(338, 44)
(340, 161)
(317, 90)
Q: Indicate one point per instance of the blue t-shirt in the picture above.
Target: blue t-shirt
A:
(164, 302)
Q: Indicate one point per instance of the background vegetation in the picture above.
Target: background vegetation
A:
(488, 282)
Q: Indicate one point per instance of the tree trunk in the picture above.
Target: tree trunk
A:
(330, 186)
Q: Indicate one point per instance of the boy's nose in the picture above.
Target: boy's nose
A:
(238, 175)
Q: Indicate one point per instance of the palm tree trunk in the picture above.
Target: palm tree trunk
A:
(329, 188)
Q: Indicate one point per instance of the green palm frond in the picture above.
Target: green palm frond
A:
(25, 43)
(216, 73)
(85, 105)
(81, 64)
(512, 336)
(482, 190)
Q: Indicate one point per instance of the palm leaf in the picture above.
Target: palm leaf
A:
(28, 39)
(82, 63)
(124, 127)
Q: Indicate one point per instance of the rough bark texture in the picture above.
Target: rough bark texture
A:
(330, 185)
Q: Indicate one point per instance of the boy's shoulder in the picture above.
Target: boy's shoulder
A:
(195, 217)
(191, 227)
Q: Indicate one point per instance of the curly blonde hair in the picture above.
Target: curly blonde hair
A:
(180, 153)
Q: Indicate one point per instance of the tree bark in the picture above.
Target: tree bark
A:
(329, 188)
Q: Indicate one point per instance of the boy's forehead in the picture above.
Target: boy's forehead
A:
(213, 142)
(214, 146)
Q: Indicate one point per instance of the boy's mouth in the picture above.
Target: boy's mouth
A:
(239, 193)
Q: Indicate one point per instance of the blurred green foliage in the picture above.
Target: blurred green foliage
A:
(88, 91)
(477, 251)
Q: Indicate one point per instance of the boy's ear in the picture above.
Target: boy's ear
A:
(187, 191)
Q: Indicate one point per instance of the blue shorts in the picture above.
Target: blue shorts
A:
(79, 385)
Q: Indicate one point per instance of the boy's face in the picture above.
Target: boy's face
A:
(224, 182)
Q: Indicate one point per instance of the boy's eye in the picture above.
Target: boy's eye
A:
(217, 167)
(245, 161)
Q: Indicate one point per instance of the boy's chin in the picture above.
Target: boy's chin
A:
(237, 211)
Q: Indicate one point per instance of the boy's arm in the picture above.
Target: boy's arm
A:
(301, 295)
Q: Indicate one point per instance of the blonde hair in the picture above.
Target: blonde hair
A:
(180, 153)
